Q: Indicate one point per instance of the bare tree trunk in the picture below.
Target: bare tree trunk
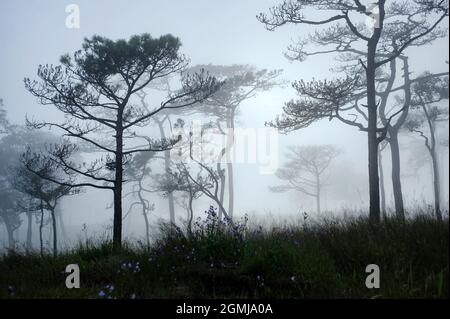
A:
(374, 187)
(222, 181)
(318, 193)
(382, 189)
(230, 168)
(117, 224)
(230, 189)
(144, 211)
(221, 207)
(55, 236)
(29, 230)
(41, 228)
(396, 180)
(393, 137)
(372, 117)
(191, 214)
(10, 231)
(374, 191)
(222, 193)
(442, 164)
(147, 226)
(436, 182)
(170, 198)
(62, 228)
(432, 149)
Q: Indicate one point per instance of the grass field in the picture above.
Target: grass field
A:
(321, 259)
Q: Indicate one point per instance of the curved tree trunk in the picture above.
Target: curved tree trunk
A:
(396, 180)
(191, 214)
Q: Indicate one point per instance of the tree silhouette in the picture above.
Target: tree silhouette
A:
(137, 170)
(33, 178)
(192, 176)
(241, 82)
(304, 170)
(426, 115)
(16, 141)
(9, 213)
(396, 27)
(96, 90)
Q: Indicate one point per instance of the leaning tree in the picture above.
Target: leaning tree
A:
(96, 89)
(396, 26)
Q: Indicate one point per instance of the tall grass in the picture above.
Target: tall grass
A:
(325, 258)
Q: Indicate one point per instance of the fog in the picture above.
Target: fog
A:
(223, 33)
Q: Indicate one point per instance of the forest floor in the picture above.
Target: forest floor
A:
(321, 259)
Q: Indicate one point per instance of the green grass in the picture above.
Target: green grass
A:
(325, 259)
